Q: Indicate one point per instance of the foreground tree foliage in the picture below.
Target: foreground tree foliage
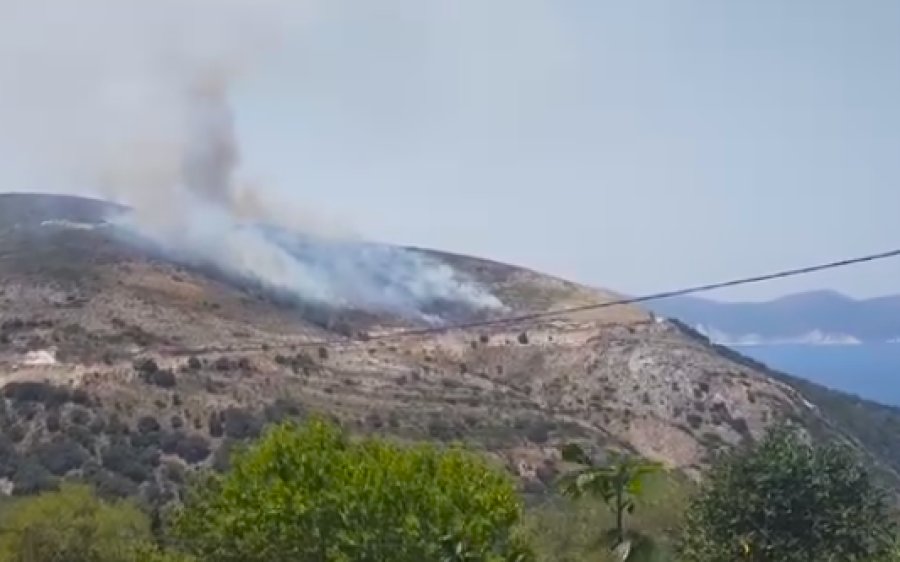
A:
(786, 500)
(311, 493)
(73, 525)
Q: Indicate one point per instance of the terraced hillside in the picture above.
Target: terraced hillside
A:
(125, 368)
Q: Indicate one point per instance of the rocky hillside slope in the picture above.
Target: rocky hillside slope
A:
(126, 369)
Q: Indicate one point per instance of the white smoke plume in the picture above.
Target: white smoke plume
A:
(129, 100)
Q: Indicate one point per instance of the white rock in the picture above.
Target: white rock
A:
(40, 357)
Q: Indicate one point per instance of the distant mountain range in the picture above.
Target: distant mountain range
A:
(816, 317)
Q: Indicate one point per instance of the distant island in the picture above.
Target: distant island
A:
(810, 318)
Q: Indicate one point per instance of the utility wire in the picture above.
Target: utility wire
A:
(518, 319)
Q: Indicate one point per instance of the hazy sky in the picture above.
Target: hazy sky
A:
(633, 145)
(636, 145)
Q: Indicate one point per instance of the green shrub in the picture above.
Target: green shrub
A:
(311, 493)
(9, 457)
(240, 424)
(193, 449)
(82, 436)
(787, 500)
(31, 477)
(109, 484)
(71, 525)
(148, 424)
(61, 455)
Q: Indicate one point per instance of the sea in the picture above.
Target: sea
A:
(870, 370)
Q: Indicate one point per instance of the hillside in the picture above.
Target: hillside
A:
(812, 317)
(124, 367)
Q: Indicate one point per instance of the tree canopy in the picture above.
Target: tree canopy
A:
(311, 493)
(787, 500)
(72, 525)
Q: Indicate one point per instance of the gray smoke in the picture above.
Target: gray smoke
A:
(129, 100)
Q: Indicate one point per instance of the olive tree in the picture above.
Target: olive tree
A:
(788, 500)
(312, 493)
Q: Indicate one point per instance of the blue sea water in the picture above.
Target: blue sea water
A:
(868, 370)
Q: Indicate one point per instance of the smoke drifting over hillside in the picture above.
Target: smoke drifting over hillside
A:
(129, 100)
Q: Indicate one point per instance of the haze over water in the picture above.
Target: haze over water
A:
(870, 370)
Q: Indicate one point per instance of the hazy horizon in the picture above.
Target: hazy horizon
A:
(715, 298)
(638, 147)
